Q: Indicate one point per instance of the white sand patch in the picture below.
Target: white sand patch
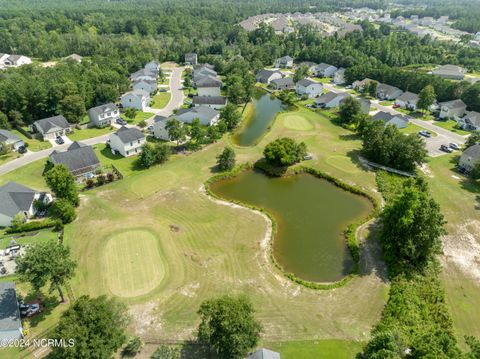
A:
(189, 290)
(144, 319)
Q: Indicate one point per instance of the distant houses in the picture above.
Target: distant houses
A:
(388, 92)
(10, 140)
(137, 99)
(469, 158)
(127, 141)
(80, 159)
(407, 100)
(266, 76)
(16, 199)
(149, 86)
(360, 85)
(330, 100)
(470, 122)
(52, 127)
(207, 116)
(74, 58)
(143, 74)
(215, 102)
(308, 87)
(285, 62)
(454, 109)
(285, 83)
(451, 72)
(10, 321)
(7, 60)
(325, 70)
(104, 115)
(388, 118)
(191, 58)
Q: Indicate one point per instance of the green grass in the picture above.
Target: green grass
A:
(29, 175)
(79, 135)
(139, 117)
(126, 165)
(325, 349)
(323, 80)
(161, 99)
(28, 238)
(413, 129)
(33, 145)
(8, 157)
(386, 103)
(451, 126)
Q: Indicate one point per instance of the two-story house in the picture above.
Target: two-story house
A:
(137, 99)
(104, 115)
(127, 141)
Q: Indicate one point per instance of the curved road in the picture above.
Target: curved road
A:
(176, 100)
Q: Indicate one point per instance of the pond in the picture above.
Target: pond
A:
(311, 216)
(265, 109)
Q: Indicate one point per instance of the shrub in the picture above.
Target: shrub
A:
(166, 352)
(133, 347)
(110, 177)
(90, 183)
(63, 210)
(101, 179)
(32, 226)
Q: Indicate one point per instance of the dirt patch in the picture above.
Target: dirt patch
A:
(463, 249)
(144, 318)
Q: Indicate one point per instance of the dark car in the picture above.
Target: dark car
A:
(59, 140)
(425, 133)
(22, 150)
(445, 148)
(121, 121)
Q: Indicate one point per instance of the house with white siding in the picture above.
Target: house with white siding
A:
(325, 70)
(308, 87)
(454, 109)
(127, 141)
(104, 115)
(137, 99)
(52, 127)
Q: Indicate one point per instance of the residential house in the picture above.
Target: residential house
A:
(339, 76)
(208, 86)
(79, 158)
(144, 74)
(264, 354)
(310, 65)
(407, 100)
(360, 85)
(104, 115)
(127, 141)
(207, 116)
(74, 57)
(3, 57)
(215, 102)
(152, 66)
(388, 118)
(202, 72)
(17, 199)
(10, 140)
(450, 72)
(10, 322)
(309, 88)
(191, 58)
(16, 60)
(470, 122)
(285, 83)
(330, 99)
(325, 70)
(454, 109)
(137, 99)
(469, 158)
(388, 92)
(267, 76)
(149, 86)
(160, 127)
(52, 127)
(364, 105)
(285, 62)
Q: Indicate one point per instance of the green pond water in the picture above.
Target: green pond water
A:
(265, 107)
(311, 215)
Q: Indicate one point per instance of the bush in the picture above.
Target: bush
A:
(32, 226)
(110, 177)
(284, 152)
(90, 183)
(101, 179)
(133, 347)
(63, 210)
(166, 352)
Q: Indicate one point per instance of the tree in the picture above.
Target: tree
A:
(231, 116)
(426, 98)
(300, 73)
(473, 139)
(167, 352)
(213, 133)
(133, 347)
(130, 113)
(176, 130)
(162, 152)
(4, 121)
(96, 326)
(412, 226)
(197, 133)
(187, 82)
(371, 88)
(350, 108)
(228, 325)
(47, 262)
(471, 97)
(284, 152)
(147, 156)
(62, 183)
(63, 210)
(226, 159)
(73, 108)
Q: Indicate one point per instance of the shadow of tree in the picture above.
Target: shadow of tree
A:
(47, 302)
(195, 350)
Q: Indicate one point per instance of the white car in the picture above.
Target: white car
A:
(454, 146)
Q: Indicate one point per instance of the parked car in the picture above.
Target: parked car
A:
(395, 105)
(59, 140)
(425, 133)
(22, 150)
(445, 148)
(121, 121)
(28, 310)
(454, 146)
(349, 87)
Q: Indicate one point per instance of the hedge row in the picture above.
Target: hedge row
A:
(34, 225)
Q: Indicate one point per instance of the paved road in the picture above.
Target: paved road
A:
(444, 137)
(176, 101)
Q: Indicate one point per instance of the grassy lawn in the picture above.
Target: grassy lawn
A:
(450, 125)
(126, 165)
(414, 129)
(8, 157)
(386, 103)
(27, 238)
(161, 99)
(324, 80)
(79, 135)
(33, 145)
(29, 175)
(325, 349)
(423, 116)
(139, 117)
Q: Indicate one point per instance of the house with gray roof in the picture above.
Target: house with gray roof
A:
(137, 99)
(215, 102)
(266, 76)
(208, 86)
(160, 130)
(152, 66)
(309, 64)
(285, 83)
(451, 72)
(264, 354)
(325, 70)
(52, 127)
(469, 158)
(470, 122)
(191, 58)
(454, 109)
(127, 141)
(73, 57)
(10, 322)
(144, 74)
(407, 100)
(149, 86)
(203, 71)
(388, 92)
(17, 199)
(79, 158)
(388, 118)
(308, 87)
(330, 100)
(10, 140)
(284, 62)
(207, 116)
(104, 115)
(360, 85)
(16, 60)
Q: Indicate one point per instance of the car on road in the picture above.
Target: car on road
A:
(120, 121)
(454, 146)
(445, 148)
(22, 150)
(425, 133)
(59, 140)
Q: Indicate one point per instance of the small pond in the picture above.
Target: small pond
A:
(311, 215)
(265, 109)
